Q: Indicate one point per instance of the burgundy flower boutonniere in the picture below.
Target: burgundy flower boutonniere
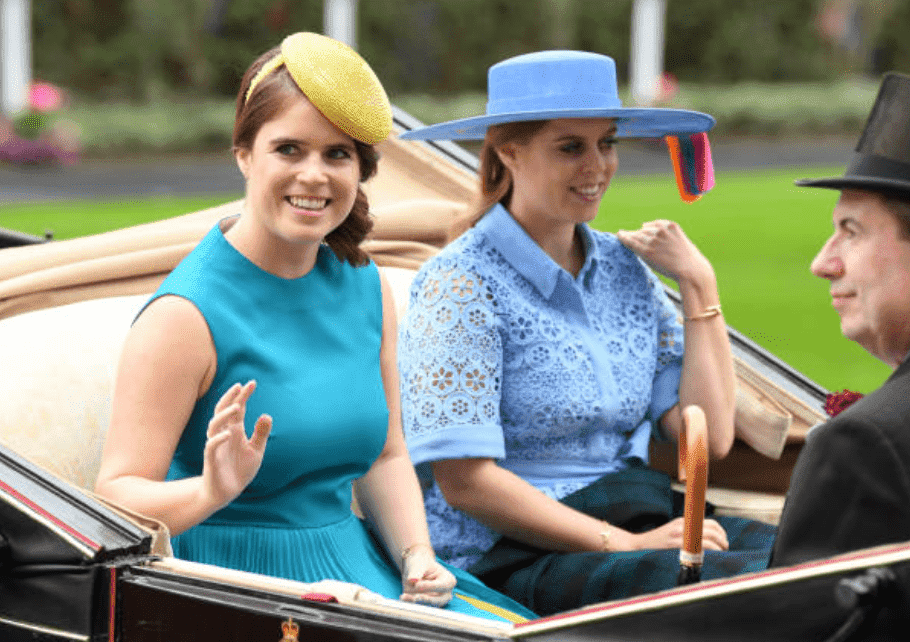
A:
(837, 402)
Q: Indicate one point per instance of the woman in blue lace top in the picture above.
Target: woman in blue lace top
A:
(538, 357)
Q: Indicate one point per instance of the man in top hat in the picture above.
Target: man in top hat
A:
(851, 485)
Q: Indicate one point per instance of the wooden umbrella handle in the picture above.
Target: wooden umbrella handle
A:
(693, 457)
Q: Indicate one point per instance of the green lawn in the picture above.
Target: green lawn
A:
(758, 230)
(70, 219)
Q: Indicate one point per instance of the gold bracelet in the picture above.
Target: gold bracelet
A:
(710, 311)
(605, 537)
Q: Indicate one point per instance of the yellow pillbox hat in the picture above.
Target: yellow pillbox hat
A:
(339, 83)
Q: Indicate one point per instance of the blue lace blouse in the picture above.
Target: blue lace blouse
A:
(504, 355)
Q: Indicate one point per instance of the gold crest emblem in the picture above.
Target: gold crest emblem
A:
(290, 630)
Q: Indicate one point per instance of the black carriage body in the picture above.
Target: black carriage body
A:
(796, 604)
(60, 553)
(14, 238)
(156, 605)
(72, 569)
(75, 570)
(60, 605)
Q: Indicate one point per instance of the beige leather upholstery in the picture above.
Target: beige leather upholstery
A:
(58, 373)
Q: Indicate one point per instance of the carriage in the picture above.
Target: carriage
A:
(75, 567)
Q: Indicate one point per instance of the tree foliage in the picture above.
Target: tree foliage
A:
(137, 49)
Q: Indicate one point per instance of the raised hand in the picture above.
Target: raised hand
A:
(666, 249)
(231, 460)
(424, 579)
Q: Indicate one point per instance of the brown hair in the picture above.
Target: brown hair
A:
(899, 206)
(271, 95)
(495, 177)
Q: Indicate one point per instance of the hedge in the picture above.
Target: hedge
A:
(147, 49)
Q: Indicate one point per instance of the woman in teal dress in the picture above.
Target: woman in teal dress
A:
(257, 389)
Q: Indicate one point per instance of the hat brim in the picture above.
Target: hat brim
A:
(868, 183)
(632, 122)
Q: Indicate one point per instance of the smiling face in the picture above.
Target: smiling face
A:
(867, 261)
(302, 176)
(561, 173)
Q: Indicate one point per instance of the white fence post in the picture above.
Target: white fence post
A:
(339, 18)
(646, 62)
(15, 54)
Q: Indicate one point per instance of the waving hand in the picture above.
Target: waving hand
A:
(231, 460)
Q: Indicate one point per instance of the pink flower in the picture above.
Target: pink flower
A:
(44, 97)
(837, 402)
(667, 87)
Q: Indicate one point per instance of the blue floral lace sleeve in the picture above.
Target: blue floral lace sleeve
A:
(451, 360)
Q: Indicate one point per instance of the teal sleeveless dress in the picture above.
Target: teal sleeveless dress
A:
(312, 345)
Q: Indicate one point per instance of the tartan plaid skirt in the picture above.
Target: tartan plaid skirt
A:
(637, 499)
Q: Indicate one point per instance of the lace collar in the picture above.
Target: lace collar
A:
(525, 255)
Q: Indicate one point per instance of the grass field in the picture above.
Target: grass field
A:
(71, 219)
(759, 231)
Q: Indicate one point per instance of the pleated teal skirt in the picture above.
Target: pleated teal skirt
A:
(344, 551)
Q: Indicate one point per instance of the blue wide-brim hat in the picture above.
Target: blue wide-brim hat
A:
(562, 84)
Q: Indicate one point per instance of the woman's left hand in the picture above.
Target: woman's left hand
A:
(666, 249)
(424, 579)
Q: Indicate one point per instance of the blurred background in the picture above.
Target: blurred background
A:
(768, 68)
(92, 88)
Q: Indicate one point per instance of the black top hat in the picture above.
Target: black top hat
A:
(881, 162)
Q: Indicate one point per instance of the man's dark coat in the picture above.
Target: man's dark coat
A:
(850, 487)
